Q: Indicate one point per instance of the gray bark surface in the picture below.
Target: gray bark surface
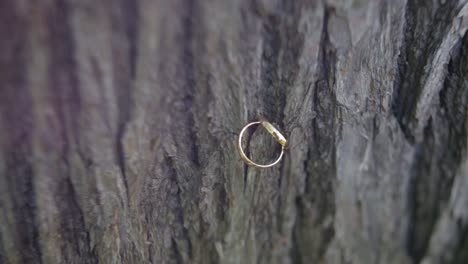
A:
(119, 122)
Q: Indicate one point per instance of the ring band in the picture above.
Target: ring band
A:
(274, 132)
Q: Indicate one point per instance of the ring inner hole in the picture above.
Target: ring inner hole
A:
(263, 148)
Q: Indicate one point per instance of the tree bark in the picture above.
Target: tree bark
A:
(119, 122)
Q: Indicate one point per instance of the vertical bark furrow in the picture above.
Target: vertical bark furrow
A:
(271, 92)
(124, 23)
(189, 22)
(180, 142)
(315, 231)
(19, 229)
(25, 233)
(2, 250)
(461, 251)
(453, 103)
(423, 213)
(66, 103)
(427, 23)
(181, 240)
(441, 154)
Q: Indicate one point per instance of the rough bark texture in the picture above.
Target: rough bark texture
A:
(118, 123)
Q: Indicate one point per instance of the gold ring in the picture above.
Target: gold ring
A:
(276, 135)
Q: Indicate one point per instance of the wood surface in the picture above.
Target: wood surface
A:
(119, 122)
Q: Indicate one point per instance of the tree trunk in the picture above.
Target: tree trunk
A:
(119, 122)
